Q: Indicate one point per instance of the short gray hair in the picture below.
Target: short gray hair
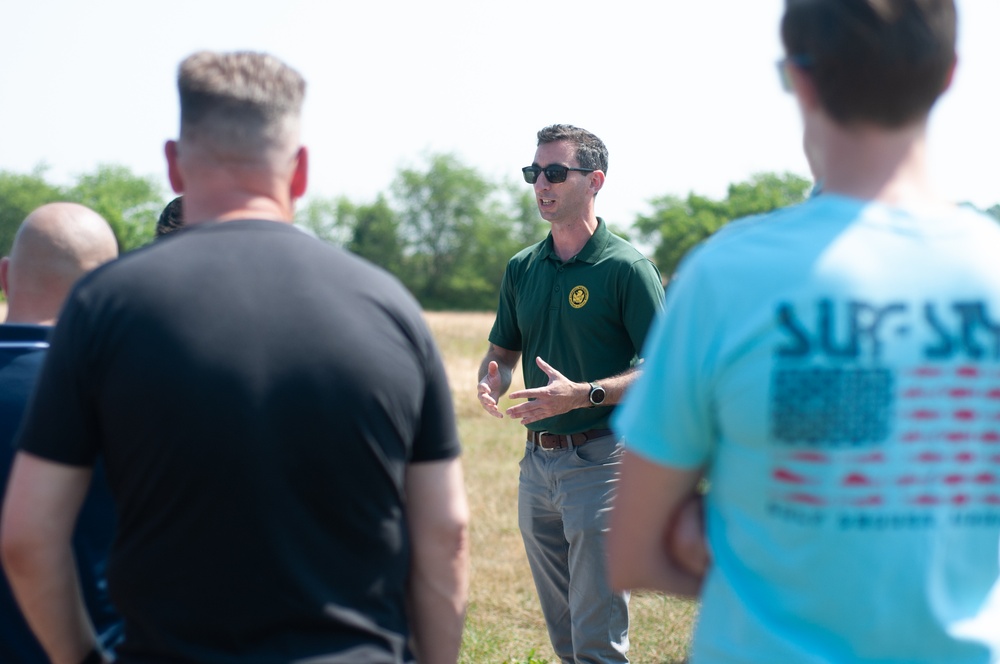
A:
(241, 102)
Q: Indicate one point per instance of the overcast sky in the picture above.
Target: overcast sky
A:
(685, 94)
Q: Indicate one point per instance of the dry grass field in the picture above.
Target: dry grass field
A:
(504, 624)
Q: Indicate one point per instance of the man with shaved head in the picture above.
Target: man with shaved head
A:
(56, 245)
(300, 497)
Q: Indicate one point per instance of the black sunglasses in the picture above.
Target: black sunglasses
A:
(554, 173)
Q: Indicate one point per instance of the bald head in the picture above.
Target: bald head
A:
(55, 245)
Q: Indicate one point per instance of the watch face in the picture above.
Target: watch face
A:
(597, 394)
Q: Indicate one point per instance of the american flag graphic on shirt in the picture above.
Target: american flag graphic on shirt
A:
(887, 448)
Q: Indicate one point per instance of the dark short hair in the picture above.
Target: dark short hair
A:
(879, 61)
(171, 218)
(590, 150)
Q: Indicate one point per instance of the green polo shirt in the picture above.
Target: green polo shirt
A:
(587, 317)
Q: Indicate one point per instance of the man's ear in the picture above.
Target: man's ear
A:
(596, 181)
(300, 177)
(950, 76)
(4, 268)
(173, 170)
(804, 88)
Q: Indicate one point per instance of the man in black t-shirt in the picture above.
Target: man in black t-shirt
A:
(298, 495)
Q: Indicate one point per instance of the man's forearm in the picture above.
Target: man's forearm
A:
(615, 386)
(505, 365)
(48, 591)
(39, 512)
(439, 578)
(648, 501)
(438, 598)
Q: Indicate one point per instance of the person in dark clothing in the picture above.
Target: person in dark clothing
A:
(55, 245)
(171, 218)
(302, 498)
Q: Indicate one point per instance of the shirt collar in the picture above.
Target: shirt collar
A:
(591, 251)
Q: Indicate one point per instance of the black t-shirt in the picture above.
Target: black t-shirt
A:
(256, 395)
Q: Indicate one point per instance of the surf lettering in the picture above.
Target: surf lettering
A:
(858, 331)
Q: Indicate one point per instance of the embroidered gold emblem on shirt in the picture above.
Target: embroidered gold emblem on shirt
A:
(578, 297)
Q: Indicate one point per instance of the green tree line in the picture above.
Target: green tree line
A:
(129, 202)
(442, 227)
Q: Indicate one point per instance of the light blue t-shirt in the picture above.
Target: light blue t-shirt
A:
(835, 367)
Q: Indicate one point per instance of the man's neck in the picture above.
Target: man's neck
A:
(34, 308)
(569, 238)
(218, 194)
(228, 208)
(874, 164)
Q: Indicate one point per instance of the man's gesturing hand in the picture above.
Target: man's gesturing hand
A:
(489, 390)
(561, 395)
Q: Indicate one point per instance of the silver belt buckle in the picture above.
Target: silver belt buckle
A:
(540, 445)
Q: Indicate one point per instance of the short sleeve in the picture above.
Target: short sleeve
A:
(505, 332)
(438, 435)
(643, 301)
(667, 414)
(61, 423)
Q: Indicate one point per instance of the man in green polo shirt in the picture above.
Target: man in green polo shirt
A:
(578, 305)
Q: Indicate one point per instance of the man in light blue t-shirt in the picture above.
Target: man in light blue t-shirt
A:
(833, 370)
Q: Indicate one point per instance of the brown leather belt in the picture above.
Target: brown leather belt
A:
(556, 441)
